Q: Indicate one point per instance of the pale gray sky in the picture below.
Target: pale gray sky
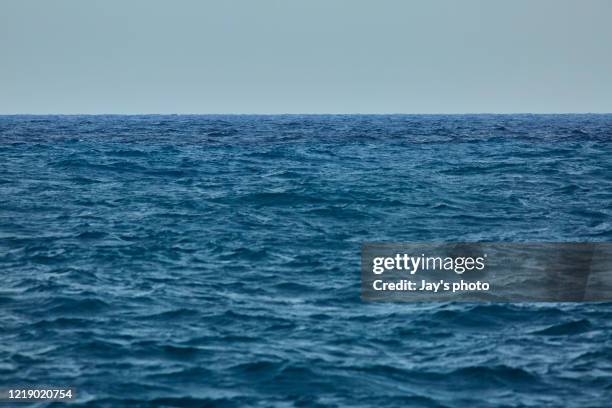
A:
(310, 56)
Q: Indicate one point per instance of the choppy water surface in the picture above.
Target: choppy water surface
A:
(191, 261)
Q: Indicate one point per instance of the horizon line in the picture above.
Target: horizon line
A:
(303, 114)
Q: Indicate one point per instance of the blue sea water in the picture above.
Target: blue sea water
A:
(195, 261)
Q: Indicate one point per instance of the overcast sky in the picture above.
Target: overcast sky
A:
(310, 56)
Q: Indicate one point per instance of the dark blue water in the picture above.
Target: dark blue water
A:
(194, 261)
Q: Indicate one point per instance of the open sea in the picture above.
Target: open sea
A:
(214, 261)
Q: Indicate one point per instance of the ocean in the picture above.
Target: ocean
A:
(196, 261)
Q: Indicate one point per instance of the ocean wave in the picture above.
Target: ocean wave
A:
(190, 261)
